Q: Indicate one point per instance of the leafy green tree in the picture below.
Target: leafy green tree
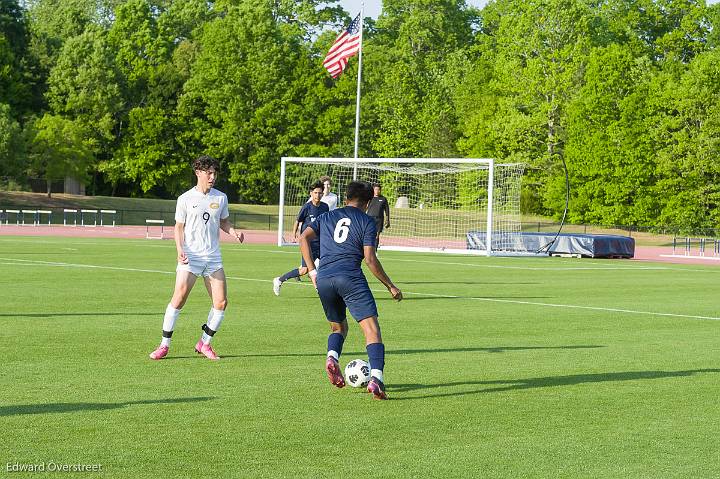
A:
(674, 29)
(150, 155)
(687, 132)
(50, 24)
(10, 143)
(9, 81)
(244, 101)
(14, 87)
(713, 17)
(142, 49)
(610, 156)
(409, 96)
(537, 50)
(13, 26)
(58, 148)
(84, 86)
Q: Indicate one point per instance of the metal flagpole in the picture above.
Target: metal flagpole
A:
(359, 79)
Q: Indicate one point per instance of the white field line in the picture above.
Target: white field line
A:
(144, 243)
(27, 262)
(682, 256)
(570, 306)
(534, 268)
(14, 261)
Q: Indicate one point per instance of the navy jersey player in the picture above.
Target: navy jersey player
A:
(307, 215)
(379, 210)
(347, 236)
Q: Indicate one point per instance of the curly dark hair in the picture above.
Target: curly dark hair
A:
(205, 162)
(361, 190)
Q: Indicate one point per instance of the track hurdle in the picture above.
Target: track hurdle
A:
(94, 214)
(17, 216)
(33, 214)
(70, 213)
(108, 212)
(689, 243)
(40, 214)
(149, 223)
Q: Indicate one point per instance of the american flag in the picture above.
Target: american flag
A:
(346, 45)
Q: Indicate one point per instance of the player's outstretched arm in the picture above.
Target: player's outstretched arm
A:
(305, 239)
(227, 227)
(374, 265)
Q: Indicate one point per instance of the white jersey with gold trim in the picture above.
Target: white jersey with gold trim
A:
(201, 215)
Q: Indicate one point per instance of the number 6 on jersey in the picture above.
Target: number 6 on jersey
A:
(342, 230)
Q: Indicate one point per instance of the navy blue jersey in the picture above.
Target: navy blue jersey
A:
(343, 234)
(308, 214)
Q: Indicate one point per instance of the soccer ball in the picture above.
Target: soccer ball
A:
(357, 373)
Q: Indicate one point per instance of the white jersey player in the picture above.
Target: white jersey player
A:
(329, 197)
(200, 214)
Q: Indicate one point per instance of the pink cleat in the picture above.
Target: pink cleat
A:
(333, 371)
(376, 388)
(206, 350)
(159, 353)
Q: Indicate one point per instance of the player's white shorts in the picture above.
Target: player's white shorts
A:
(201, 266)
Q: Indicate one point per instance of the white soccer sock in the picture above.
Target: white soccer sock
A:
(215, 318)
(333, 354)
(171, 315)
(377, 373)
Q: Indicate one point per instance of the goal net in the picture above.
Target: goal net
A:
(458, 205)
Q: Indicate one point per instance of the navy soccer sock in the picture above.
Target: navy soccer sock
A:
(335, 345)
(289, 275)
(376, 354)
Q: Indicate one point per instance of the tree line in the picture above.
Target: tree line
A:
(123, 93)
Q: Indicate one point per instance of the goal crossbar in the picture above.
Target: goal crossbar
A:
(297, 159)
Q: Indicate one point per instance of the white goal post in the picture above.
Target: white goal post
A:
(452, 205)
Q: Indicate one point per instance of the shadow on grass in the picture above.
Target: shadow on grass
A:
(496, 349)
(390, 352)
(465, 282)
(52, 315)
(440, 297)
(87, 406)
(503, 385)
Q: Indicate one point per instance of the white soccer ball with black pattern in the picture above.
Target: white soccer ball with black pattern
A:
(357, 373)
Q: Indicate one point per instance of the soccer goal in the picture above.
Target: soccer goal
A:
(452, 205)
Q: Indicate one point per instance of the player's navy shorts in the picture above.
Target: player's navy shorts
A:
(338, 292)
(315, 255)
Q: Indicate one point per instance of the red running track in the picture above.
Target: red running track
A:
(642, 253)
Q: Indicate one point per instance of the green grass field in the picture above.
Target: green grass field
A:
(496, 368)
